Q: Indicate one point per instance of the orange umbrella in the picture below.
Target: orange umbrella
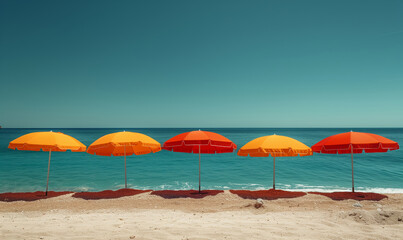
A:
(124, 144)
(276, 146)
(354, 142)
(199, 142)
(47, 141)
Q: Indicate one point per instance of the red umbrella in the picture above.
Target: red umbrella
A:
(199, 142)
(354, 142)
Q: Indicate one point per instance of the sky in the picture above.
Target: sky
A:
(201, 64)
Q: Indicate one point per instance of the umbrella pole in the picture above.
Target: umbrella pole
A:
(47, 180)
(352, 167)
(199, 170)
(124, 147)
(274, 173)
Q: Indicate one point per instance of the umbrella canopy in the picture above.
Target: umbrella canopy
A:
(199, 142)
(354, 142)
(276, 146)
(47, 141)
(124, 144)
(357, 142)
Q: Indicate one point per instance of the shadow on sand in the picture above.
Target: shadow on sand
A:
(270, 194)
(338, 196)
(108, 194)
(169, 194)
(29, 196)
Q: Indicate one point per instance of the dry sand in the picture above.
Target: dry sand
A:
(224, 216)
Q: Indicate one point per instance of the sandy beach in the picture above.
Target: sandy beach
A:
(224, 216)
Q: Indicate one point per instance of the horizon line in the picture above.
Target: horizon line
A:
(181, 127)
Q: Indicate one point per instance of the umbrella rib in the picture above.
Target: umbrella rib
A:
(380, 146)
(200, 144)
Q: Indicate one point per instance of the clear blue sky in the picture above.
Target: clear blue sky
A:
(201, 63)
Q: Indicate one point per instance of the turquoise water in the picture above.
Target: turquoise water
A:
(26, 171)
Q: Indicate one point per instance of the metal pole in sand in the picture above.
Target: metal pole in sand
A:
(274, 173)
(47, 180)
(124, 149)
(352, 167)
(199, 169)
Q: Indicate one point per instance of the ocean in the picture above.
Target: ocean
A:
(22, 171)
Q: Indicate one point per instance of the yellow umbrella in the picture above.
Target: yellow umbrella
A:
(124, 144)
(47, 141)
(276, 146)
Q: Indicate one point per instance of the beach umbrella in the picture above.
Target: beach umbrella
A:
(47, 142)
(354, 142)
(275, 146)
(124, 144)
(199, 142)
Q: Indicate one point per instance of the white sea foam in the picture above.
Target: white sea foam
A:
(381, 190)
(304, 188)
(315, 188)
(82, 189)
(177, 185)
